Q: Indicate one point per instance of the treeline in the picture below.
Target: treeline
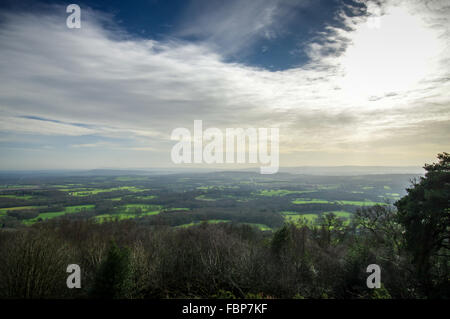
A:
(131, 260)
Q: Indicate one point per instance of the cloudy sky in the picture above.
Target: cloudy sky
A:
(346, 82)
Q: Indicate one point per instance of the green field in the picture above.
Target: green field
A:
(90, 192)
(359, 203)
(146, 197)
(393, 196)
(144, 209)
(17, 196)
(281, 192)
(187, 225)
(5, 210)
(129, 213)
(77, 208)
(50, 215)
(113, 217)
(339, 202)
(177, 209)
(310, 201)
(295, 217)
(204, 198)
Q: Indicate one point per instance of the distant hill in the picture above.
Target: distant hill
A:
(352, 170)
(303, 170)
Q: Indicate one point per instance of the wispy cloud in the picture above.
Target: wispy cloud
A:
(37, 126)
(232, 27)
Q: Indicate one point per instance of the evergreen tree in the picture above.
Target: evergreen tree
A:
(425, 214)
(113, 279)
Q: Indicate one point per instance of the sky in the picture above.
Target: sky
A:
(345, 82)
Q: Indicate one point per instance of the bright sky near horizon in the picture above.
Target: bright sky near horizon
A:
(346, 82)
